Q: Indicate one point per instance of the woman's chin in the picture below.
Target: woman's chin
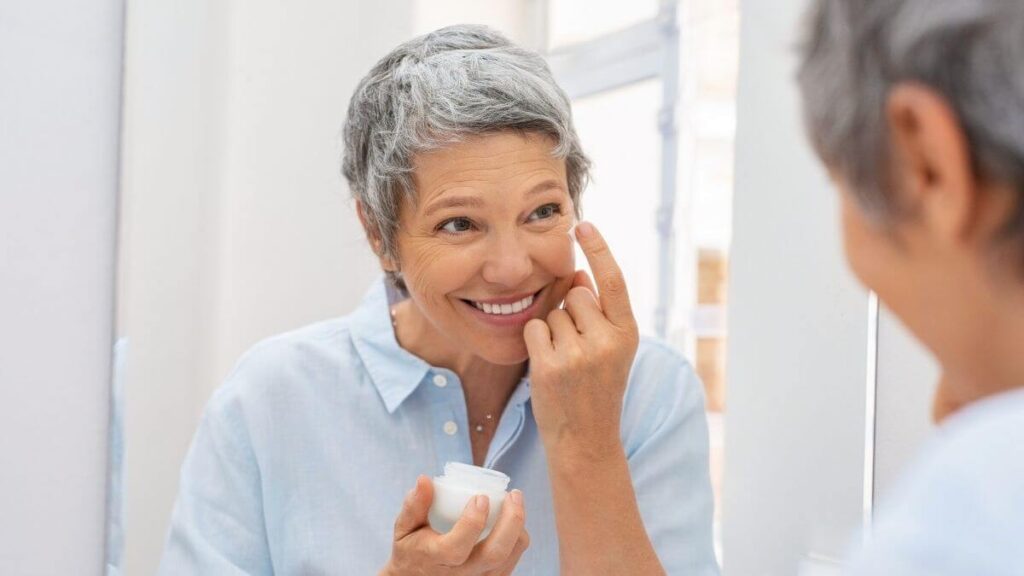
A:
(505, 354)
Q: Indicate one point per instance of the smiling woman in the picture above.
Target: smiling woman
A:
(484, 344)
(489, 232)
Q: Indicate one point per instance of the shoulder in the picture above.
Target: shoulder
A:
(284, 364)
(663, 392)
(662, 370)
(959, 506)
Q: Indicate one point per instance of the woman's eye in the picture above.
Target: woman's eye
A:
(456, 225)
(546, 211)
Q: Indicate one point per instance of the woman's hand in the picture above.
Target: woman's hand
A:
(580, 360)
(419, 550)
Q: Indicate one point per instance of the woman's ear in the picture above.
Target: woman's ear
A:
(373, 236)
(931, 163)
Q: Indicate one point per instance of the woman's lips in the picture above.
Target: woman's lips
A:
(506, 320)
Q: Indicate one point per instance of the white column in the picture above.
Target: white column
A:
(798, 334)
(60, 86)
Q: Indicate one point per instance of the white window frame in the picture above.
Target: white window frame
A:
(644, 51)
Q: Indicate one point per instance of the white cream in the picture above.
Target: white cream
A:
(453, 491)
(505, 309)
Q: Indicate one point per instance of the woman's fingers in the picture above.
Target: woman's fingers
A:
(454, 548)
(538, 339)
(611, 284)
(510, 565)
(584, 309)
(583, 280)
(563, 329)
(415, 508)
(494, 551)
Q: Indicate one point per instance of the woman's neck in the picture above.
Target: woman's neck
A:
(992, 345)
(486, 386)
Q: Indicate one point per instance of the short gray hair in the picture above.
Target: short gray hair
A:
(431, 92)
(971, 52)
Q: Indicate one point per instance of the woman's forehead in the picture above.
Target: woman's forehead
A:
(502, 162)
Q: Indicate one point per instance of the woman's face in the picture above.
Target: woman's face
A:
(486, 246)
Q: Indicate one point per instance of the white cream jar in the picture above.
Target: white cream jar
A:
(453, 491)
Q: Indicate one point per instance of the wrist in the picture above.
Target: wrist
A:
(571, 456)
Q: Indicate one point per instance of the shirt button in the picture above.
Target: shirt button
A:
(440, 381)
(450, 428)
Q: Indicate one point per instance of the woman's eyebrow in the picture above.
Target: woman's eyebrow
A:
(453, 202)
(545, 186)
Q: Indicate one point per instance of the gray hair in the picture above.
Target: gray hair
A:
(431, 92)
(971, 52)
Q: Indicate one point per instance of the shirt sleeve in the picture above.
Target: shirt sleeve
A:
(217, 526)
(666, 442)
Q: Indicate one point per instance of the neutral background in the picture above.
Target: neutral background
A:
(798, 326)
(60, 84)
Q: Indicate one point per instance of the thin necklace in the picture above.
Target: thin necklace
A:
(488, 418)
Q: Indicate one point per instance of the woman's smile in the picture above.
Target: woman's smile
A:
(506, 312)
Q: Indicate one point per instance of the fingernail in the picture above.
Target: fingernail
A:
(584, 229)
(480, 501)
(517, 497)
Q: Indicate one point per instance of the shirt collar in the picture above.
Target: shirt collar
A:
(394, 370)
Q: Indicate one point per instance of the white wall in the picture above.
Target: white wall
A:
(238, 223)
(173, 134)
(60, 82)
(906, 378)
(794, 439)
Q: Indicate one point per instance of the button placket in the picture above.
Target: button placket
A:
(451, 423)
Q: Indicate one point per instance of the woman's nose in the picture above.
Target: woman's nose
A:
(508, 262)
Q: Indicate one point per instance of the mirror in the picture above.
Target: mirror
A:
(236, 224)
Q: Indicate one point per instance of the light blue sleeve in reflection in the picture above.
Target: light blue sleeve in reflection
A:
(217, 525)
(667, 449)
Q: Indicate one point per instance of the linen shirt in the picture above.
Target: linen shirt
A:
(303, 456)
(959, 510)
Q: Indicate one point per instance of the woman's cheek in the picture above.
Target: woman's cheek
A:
(557, 256)
(429, 267)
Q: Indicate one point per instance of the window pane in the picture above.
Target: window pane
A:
(574, 21)
(619, 132)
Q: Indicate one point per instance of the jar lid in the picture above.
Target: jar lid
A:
(475, 477)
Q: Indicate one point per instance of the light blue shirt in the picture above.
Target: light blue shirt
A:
(959, 511)
(304, 455)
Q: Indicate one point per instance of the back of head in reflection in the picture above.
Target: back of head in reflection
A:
(917, 109)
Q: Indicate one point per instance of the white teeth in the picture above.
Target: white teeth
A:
(505, 309)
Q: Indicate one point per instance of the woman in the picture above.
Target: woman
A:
(924, 137)
(466, 171)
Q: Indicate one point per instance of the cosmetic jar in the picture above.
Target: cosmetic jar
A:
(453, 491)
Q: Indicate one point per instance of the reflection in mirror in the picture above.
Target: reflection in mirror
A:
(238, 226)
